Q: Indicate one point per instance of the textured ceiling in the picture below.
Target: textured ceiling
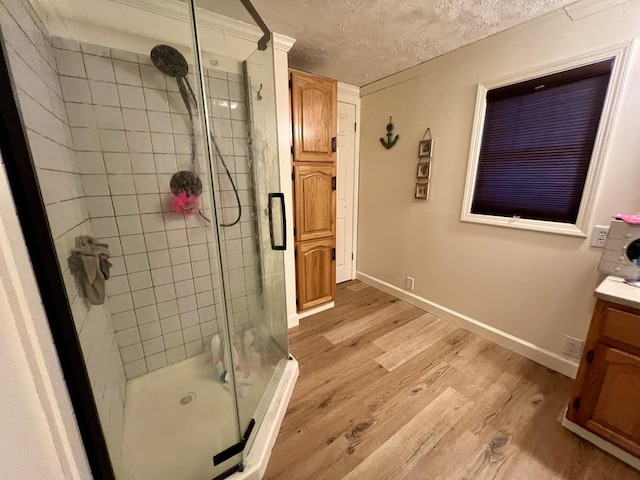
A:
(361, 41)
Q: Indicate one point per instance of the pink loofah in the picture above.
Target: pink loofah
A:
(184, 204)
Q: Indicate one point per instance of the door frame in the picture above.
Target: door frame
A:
(351, 94)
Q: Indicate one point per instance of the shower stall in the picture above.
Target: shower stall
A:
(152, 131)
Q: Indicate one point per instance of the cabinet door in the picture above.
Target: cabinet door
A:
(314, 114)
(609, 403)
(315, 198)
(316, 269)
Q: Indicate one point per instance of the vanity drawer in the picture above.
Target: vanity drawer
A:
(620, 326)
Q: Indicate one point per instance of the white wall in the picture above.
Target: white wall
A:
(526, 289)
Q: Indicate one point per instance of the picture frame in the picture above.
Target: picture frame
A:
(425, 148)
(424, 170)
(422, 190)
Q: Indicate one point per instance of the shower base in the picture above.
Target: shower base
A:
(178, 417)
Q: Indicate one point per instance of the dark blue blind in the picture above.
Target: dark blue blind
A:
(537, 144)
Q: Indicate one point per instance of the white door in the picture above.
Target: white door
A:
(344, 195)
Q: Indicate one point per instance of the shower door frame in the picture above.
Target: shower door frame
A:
(21, 176)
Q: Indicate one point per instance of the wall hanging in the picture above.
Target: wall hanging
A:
(389, 143)
(423, 173)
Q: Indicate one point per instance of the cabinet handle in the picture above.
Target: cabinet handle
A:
(279, 196)
(334, 144)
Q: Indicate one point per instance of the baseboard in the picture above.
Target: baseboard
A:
(293, 320)
(526, 349)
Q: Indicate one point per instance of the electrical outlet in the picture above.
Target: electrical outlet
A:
(599, 236)
(408, 283)
(572, 346)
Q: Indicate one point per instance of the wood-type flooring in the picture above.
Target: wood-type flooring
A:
(388, 391)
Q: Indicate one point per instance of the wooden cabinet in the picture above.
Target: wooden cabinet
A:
(314, 117)
(316, 268)
(315, 197)
(606, 395)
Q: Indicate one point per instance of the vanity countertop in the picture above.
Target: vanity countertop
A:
(615, 290)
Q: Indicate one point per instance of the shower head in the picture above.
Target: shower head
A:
(173, 64)
(169, 61)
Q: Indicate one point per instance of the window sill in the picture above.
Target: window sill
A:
(569, 229)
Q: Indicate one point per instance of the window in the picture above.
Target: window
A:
(534, 149)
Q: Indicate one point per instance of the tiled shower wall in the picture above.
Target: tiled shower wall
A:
(130, 130)
(33, 67)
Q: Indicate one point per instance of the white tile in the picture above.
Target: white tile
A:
(129, 225)
(173, 221)
(168, 309)
(127, 73)
(117, 162)
(131, 97)
(139, 142)
(153, 346)
(99, 68)
(108, 117)
(205, 299)
(113, 141)
(194, 348)
(132, 243)
(199, 252)
(187, 304)
(189, 319)
(156, 100)
(157, 361)
(169, 325)
(90, 162)
(180, 123)
(191, 334)
(162, 143)
(149, 203)
(117, 285)
(179, 255)
(95, 49)
(104, 227)
(152, 77)
(143, 163)
(165, 163)
(160, 122)
(184, 288)
(124, 55)
(159, 259)
(152, 222)
(143, 298)
(177, 238)
(207, 314)
(135, 369)
(131, 353)
(104, 93)
(140, 280)
(117, 264)
(121, 184)
(81, 115)
(165, 292)
(128, 337)
(69, 63)
(99, 207)
(136, 262)
(113, 244)
(173, 338)
(202, 284)
(120, 303)
(219, 88)
(124, 320)
(176, 354)
(86, 139)
(208, 328)
(150, 330)
(162, 276)
(182, 144)
(156, 241)
(197, 235)
(146, 183)
(201, 268)
(182, 272)
(147, 314)
(135, 119)
(75, 89)
(176, 104)
(125, 204)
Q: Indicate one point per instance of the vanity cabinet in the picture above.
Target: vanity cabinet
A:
(314, 128)
(606, 395)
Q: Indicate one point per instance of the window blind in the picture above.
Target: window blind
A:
(537, 144)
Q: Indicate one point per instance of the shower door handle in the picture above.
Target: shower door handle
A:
(279, 196)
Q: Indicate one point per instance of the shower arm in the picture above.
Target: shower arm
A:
(266, 33)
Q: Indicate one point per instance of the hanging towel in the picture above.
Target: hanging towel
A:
(89, 264)
(630, 219)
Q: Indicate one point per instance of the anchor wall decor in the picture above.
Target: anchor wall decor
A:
(389, 143)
